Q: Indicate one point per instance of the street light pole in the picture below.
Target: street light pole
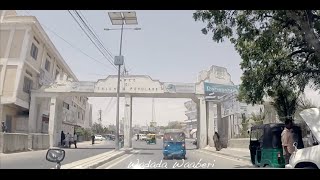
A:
(128, 18)
(118, 93)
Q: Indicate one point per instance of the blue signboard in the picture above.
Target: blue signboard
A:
(217, 91)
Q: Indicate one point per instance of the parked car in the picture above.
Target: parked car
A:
(308, 157)
(98, 138)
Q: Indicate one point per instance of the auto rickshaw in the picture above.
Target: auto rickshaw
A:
(266, 147)
(174, 144)
(151, 139)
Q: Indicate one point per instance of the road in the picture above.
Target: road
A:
(37, 159)
(150, 156)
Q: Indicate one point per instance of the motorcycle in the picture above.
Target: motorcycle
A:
(55, 155)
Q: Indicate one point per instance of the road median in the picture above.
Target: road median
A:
(95, 161)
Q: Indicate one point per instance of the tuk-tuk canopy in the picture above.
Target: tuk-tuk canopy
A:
(174, 135)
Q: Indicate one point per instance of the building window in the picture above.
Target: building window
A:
(65, 105)
(82, 116)
(78, 115)
(47, 65)
(34, 51)
(27, 85)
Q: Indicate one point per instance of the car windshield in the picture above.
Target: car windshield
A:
(174, 137)
(122, 88)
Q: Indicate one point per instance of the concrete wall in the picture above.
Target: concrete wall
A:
(239, 143)
(13, 142)
(38, 141)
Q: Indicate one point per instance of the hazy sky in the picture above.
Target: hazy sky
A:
(170, 47)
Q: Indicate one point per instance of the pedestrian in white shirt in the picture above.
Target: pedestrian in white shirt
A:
(68, 140)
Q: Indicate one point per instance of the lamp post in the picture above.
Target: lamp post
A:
(121, 18)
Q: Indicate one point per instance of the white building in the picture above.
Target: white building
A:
(29, 60)
(231, 110)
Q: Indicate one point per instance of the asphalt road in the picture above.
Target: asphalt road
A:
(150, 157)
(37, 159)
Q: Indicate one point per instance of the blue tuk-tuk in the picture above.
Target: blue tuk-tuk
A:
(174, 145)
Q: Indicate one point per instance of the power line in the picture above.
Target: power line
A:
(95, 34)
(96, 38)
(91, 39)
(71, 44)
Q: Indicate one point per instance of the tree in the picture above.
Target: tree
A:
(174, 125)
(276, 47)
(97, 128)
(285, 102)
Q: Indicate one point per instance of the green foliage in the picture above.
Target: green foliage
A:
(276, 46)
(280, 51)
(97, 128)
(285, 102)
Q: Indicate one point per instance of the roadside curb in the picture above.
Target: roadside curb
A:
(95, 161)
(229, 155)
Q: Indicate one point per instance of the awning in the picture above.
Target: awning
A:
(193, 131)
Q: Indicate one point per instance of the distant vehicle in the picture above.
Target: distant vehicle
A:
(98, 138)
(151, 139)
(142, 137)
(110, 137)
(309, 157)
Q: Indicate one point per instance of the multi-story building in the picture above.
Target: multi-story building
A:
(29, 60)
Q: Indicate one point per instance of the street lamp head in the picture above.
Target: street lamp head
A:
(137, 28)
(121, 18)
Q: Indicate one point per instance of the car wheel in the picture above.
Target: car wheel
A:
(165, 157)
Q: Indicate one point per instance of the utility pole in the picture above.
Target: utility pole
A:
(121, 18)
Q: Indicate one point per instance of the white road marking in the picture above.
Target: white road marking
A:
(117, 160)
(225, 157)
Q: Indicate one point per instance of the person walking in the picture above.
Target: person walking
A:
(75, 139)
(217, 143)
(92, 138)
(3, 127)
(63, 137)
(67, 140)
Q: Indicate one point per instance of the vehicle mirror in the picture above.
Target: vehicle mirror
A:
(55, 155)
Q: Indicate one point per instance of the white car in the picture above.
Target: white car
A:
(308, 157)
(98, 138)
(143, 137)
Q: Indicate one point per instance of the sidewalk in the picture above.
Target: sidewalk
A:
(238, 153)
(37, 159)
